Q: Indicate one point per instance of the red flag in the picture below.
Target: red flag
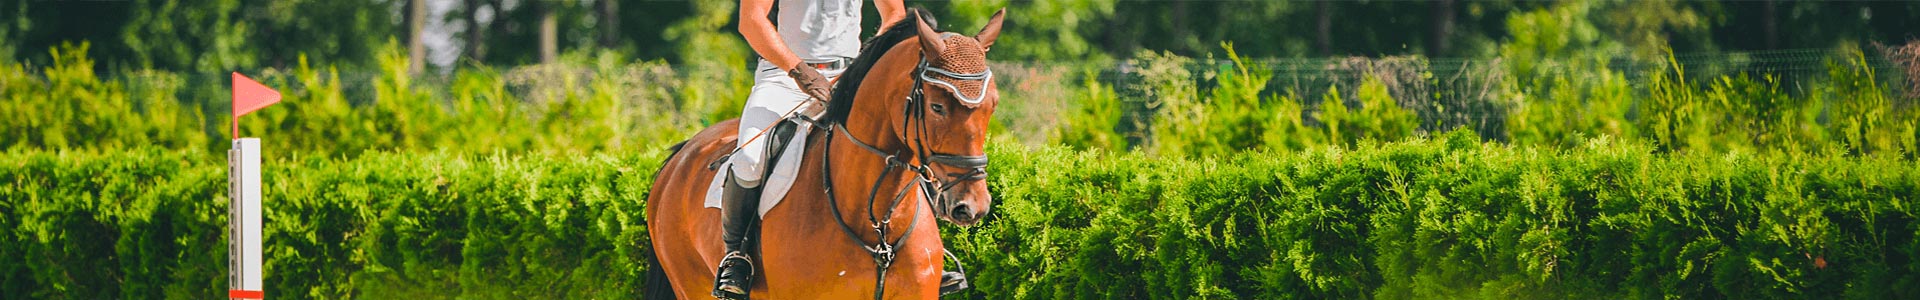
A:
(248, 96)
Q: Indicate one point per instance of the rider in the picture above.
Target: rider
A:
(802, 44)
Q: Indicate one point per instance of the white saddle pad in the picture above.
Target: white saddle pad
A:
(778, 182)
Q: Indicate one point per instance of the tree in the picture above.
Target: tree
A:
(609, 25)
(549, 31)
(475, 31)
(1442, 28)
(416, 23)
(1042, 30)
(327, 32)
(194, 35)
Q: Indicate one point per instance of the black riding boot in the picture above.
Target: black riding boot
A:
(737, 212)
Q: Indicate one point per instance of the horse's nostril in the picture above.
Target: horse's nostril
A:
(962, 212)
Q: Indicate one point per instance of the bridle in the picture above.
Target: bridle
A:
(932, 189)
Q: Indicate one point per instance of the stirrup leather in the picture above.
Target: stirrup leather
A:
(734, 262)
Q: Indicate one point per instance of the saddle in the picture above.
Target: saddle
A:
(783, 164)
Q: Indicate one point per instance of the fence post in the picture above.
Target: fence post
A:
(243, 212)
(243, 193)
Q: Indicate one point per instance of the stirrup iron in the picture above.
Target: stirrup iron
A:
(729, 285)
(952, 282)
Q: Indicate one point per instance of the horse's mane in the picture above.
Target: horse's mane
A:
(849, 82)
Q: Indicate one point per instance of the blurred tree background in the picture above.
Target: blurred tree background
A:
(1382, 148)
(231, 34)
(1125, 74)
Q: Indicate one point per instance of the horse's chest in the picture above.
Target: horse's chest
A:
(833, 267)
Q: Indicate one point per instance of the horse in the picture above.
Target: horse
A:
(901, 143)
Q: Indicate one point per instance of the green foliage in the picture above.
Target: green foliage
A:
(1865, 119)
(137, 224)
(589, 102)
(332, 32)
(1564, 88)
(1451, 217)
(148, 224)
(1283, 125)
(1562, 111)
(1378, 117)
(1063, 25)
(1169, 98)
(1097, 110)
(68, 106)
(1851, 111)
(721, 66)
(1237, 116)
(1239, 113)
(188, 35)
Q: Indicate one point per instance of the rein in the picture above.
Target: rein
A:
(934, 191)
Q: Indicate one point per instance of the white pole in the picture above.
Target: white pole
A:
(243, 183)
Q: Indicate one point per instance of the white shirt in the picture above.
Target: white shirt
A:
(819, 30)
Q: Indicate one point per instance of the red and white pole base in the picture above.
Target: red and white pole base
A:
(243, 247)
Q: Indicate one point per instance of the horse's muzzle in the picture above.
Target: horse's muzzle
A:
(970, 208)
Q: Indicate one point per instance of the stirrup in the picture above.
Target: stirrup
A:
(952, 282)
(729, 285)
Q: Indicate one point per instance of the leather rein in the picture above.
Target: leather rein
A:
(932, 189)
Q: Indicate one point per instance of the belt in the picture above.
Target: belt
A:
(834, 65)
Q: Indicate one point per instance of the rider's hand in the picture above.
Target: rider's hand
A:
(811, 82)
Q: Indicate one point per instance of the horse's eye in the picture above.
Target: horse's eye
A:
(940, 109)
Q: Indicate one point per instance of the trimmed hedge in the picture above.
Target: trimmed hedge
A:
(152, 225)
(1436, 218)
(1448, 218)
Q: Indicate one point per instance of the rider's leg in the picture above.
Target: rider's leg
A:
(740, 201)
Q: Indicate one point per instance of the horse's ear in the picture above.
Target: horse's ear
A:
(992, 31)
(930, 44)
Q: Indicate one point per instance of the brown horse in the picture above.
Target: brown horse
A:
(901, 144)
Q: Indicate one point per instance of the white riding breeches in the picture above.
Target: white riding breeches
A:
(774, 95)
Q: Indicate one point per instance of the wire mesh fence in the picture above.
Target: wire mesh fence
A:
(1445, 93)
(1476, 93)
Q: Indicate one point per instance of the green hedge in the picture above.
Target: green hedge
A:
(152, 225)
(1448, 218)
(1451, 217)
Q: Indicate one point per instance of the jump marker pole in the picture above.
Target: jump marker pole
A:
(244, 276)
(243, 248)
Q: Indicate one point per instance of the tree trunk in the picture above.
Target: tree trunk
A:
(1771, 27)
(476, 32)
(609, 23)
(1323, 33)
(416, 22)
(549, 32)
(1178, 18)
(1438, 41)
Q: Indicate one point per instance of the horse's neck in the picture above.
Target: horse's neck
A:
(862, 181)
(855, 176)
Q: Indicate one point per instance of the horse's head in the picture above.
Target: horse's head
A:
(956, 98)
(927, 108)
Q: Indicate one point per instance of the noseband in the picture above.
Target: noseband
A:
(932, 189)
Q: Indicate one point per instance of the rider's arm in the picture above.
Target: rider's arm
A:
(760, 34)
(891, 11)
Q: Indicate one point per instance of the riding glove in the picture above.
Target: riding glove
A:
(814, 85)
